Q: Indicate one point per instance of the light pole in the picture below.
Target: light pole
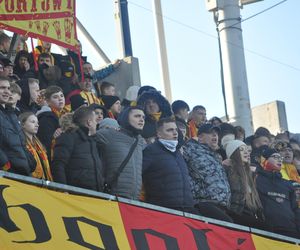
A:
(162, 48)
(233, 60)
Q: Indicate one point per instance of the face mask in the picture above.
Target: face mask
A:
(169, 144)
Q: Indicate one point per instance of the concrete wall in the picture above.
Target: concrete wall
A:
(270, 115)
(126, 75)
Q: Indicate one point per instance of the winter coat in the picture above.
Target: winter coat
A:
(114, 146)
(48, 123)
(12, 144)
(24, 104)
(166, 178)
(76, 160)
(279, 201)
(164, 106)
(238, 198)
(207, 175)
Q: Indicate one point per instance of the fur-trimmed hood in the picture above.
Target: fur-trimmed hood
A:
(164, 105)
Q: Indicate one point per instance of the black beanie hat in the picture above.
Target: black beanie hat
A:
(95, 106)
(266, 151)
(179, 104)
(109, 100)
(77, 101)
(144, 89)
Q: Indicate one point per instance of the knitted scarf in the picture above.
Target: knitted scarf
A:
(6, 166)
(156, 116)
(193, 129)
(291, 171)
(90, 97)
(59, 113)
(111, 115)
(42, 170)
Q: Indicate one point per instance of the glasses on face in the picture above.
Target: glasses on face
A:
(277, 157)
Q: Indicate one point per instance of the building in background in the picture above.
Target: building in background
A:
(270, 115)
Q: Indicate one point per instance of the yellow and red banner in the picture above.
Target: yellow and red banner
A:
(49, 20)
(36, 218)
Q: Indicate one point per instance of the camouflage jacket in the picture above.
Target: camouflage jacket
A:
(207, 176)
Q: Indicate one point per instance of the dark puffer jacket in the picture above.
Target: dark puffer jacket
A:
(166, 178)
(12, 144)
(76, 160)
(48, 123)
(279, 202)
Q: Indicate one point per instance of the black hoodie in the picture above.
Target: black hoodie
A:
(164, 107)
(24, 105)
(123, 120)
(20, 72)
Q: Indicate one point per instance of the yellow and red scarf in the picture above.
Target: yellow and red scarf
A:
(156, 116)
(59, 113)
(91, 98)
(42, 170)
(192, 129)
(289, 172)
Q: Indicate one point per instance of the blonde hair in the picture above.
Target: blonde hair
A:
(66, 122)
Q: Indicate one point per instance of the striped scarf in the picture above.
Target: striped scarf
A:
(42, 170)
(193, 129)
(59, 113)
(6, 166)
(91, 98)
(291, 171)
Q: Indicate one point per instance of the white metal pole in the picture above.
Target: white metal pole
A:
(119, 28)
(235, 75)
(162, 48)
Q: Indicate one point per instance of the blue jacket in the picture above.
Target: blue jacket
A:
(279, 202)
(165, 178)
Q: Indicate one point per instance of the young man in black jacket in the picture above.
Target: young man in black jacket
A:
(76, 160)
(14, 156)
(165, 174)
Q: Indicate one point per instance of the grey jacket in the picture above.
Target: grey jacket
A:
(207, 175)
(114, 146)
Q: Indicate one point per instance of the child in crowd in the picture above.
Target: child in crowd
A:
(30, 125)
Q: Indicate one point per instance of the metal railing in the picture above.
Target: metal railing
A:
(90, 193)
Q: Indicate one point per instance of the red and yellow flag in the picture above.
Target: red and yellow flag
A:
(37, 218)
(52, 21)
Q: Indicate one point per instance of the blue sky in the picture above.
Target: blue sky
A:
(271, 42)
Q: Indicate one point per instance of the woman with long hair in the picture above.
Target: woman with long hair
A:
(30, 125)
(245, 207)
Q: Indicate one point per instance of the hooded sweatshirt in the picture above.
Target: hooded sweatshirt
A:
(114, 147)
(25, 103)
